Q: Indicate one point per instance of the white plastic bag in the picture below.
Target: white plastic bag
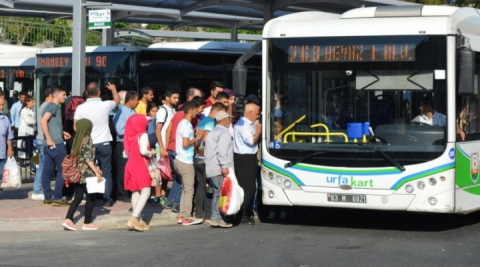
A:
(11, 174)
(231, 195)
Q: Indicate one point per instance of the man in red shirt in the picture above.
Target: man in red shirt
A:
(173, 201)
(215, 88)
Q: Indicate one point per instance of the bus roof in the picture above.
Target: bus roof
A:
(218, 46)
(89, 49)
(8, 48)
(376, 21)
(18, 59)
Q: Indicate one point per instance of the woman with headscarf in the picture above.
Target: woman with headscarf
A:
(83, 148)
(137, 178)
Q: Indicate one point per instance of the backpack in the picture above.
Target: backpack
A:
(70, 170)
(72, 105)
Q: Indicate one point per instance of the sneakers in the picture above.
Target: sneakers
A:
(220, 223)
(68, 224)
(179, 220)
(144, 225)
(191, 221)
(168, 205)
(90, 227)
(176, 207)
(157, 201)
(59, 203)
(47, 202)
(163, 200)
(37, 197)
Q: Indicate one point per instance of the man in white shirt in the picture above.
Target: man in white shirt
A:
(164, 117)
(246, 137)
(15, 111)
(97, 111)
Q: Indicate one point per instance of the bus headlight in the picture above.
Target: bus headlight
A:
(409, 188)
(264, 173)
(270, 176)
(432, 181)
(421, 185)
(287, 183)
(278, 180)
(270, 194)
(432, 201)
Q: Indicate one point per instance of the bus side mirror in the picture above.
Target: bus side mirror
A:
(10, 80)
(466, 73)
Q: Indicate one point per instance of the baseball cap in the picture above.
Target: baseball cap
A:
(221, 115)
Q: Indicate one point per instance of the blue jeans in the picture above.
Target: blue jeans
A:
(53, 157)
(37, 182)
(176, 190)
(217, 182)
(103, 154)
(2, 165)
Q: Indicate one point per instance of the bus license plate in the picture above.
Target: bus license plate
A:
(347, 198)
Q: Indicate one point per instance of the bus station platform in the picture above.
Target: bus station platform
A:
(18, 213)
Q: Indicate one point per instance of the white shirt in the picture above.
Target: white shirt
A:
(162, 112)
(27, 122)
(184, 154)
(244, 131)
(438, 119)
(97, 111)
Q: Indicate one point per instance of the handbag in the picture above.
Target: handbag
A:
(11, 175)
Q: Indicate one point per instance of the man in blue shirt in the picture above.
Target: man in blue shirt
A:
(120, 119)
(15, 111)
(6, 136)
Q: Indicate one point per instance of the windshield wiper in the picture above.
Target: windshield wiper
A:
(390, 160)
(290, 163)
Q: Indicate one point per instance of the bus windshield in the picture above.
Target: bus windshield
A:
(344, 99)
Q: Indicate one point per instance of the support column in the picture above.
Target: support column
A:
(107, 36)
(78, 48)
(234, 34)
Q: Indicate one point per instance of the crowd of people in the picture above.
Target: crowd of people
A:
(197, 137)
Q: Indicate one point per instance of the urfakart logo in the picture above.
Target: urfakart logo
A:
(344, 181)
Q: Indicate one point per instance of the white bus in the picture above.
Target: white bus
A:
(22, 64)
(378, 108)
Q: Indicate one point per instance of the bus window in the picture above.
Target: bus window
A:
(468, 120)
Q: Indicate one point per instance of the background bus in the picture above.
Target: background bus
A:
(326, 79)
(162, 68)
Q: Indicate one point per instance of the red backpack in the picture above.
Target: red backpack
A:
(72, 105)
(70, 170)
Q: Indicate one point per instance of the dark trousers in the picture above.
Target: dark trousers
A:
(103, 154)
(203, 201)
(121, 162)
(246, 171)
(53, 157)
(81, 189)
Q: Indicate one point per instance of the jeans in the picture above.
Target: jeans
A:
(203, 201)
(2, 165)
(37, 182)
(176, 190)
(121, 162)
(103, 154)
(53, 157)
(217, 182)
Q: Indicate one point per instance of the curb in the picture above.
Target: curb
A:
(106, 222)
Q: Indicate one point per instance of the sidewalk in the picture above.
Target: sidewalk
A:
(19, 213)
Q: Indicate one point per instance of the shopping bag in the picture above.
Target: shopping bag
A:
(154, 173)
(231, 195)
(163, 165)
(11, 174)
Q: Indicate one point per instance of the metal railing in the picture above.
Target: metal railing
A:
(22, 32)
(25, 165)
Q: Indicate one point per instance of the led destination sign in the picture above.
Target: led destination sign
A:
(99, 61)
(351, 53)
